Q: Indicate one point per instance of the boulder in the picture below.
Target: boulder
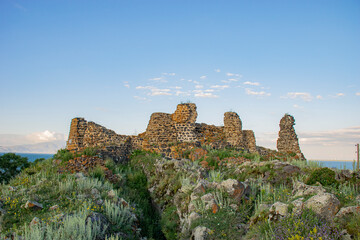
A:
(111, 193)
(343, 175)
(301, 189)
(325, 204)
(200, 233)
(35, 221)
(278, 210)
(235, 189)
(348, 211)
(298, 205)
(54, 207)
(33, 205)
(208, 200)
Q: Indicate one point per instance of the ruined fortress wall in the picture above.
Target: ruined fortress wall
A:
(185, 113)
(233, 129)
(163, 131)
(76, 136)
(249, 141)
(288, 141)
(99, 136)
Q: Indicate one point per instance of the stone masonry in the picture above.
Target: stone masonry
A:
(165, 131)
(234, 134)
(288, 141)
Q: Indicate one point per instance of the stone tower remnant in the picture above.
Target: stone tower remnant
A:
(288, 141)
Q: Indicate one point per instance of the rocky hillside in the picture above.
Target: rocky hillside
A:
(205, 194)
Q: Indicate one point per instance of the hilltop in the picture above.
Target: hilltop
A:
(180, 180)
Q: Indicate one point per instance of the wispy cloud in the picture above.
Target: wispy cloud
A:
(257, 93)
(199, 86)
(251, 83)
(126, 84)
(204, 94)
(357, 94)
(302, 95)
(233, 74)
(319, 97)
(217, 70)
(340, 94)
(169, 74)
(297, 106)
(203, 77)
(220, 87)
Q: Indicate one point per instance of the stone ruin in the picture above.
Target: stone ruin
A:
(166, 133)
(288, 141)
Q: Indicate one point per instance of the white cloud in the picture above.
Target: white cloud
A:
(206, 95)
(145, 87)
(319, 97)
(252, 83)
(233, 74)
(177, 87)
(159, 92)
(217, 70)
(221, 87)
(199, 86)
(357, 94)
(45, 136)
(261, 93)
(169, 74)
(340, 94)
(203, 77)
(156, 79)
(178, 93)
(232, 80)
(127, 85)
(303, 95)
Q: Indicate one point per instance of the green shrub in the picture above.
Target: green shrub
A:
(353, 226)
(89, 151)
(97, 172)
(325, 176)
(64, 155)
(11, 165)
(120, 217)
(170, 223)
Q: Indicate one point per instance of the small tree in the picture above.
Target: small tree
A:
(11, 165)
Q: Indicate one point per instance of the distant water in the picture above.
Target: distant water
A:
(336, 164)
(33, 156)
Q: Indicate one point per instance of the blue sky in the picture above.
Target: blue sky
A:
(116, 62)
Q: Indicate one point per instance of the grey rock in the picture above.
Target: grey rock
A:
(33, 205)
(301, 189)
(200, 233)
(348, 211)
(325, 204)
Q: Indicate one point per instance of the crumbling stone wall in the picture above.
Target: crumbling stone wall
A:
(161, 129)
(234, 134)
(85, 134)
(249, 141)
(233, 129)
(76, 136)
(288, 141)
(185, 113)
(163, 134)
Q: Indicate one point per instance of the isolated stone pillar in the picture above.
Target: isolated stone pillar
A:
(288, 141)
